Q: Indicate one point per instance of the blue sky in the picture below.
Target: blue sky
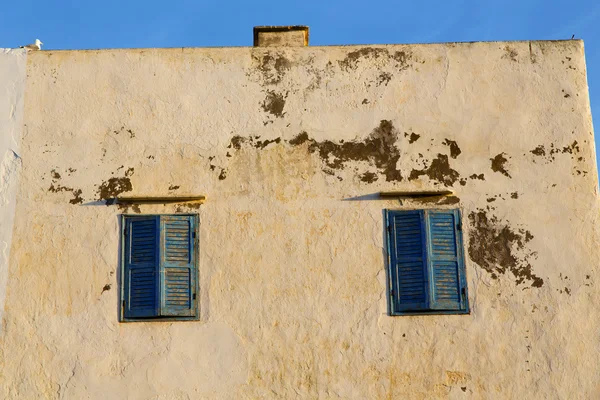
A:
(83, 24)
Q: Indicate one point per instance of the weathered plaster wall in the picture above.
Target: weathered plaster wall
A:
(290, 147)
(12, 86)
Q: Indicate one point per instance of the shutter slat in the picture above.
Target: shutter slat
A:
(407, 260)
(444, 260)
(177, 269)
(141, 267)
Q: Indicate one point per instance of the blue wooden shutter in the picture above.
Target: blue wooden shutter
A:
(177, 269)
(446, 263)
(141, 267)
(408, 260)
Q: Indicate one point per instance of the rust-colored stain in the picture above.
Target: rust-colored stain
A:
(498, 164)
(493, 245)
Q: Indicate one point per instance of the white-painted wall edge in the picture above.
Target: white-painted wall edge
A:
(12, 83)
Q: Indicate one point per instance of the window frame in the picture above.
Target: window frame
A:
(195, 265)
(460, 256)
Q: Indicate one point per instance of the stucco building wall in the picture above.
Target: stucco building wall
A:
(12, 86)
(291, 147)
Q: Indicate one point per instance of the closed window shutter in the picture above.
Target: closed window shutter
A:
(141, 267)
(445, 260)
(408, 260)
(177, 272)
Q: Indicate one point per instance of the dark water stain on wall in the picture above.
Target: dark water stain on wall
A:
(271, 65)
(378, 149)
(400, 59)
(369, 177)
(274, 103)
(549, 154)
(55, 187)
(437, 200)
(439, 170)
(454, 149)
(510, 53)
(498, 164)
(253, 141)
(413, 137)
(113, 187)
(383, 79)
(495, 246)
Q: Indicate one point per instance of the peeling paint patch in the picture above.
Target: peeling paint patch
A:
(498, 249)
(510, 53)
(368, 177)
(437, 200)
(454, 149)
(115, 186)
(272, 66)
(413, 137)
(399, 58)
(377, 149)
(541, 151)
(300, 139)
(383, 79)
(572, 148)
(237, 142)
(55, 187)
(439, 170)
(130, 132)
(77, 199)
(274, 104)
(498, 164)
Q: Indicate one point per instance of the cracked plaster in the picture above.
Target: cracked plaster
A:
(292, 251)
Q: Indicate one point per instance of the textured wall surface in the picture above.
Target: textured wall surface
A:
(12, 87)
(290, 146)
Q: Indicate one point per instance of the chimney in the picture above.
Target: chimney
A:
(282, 36)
